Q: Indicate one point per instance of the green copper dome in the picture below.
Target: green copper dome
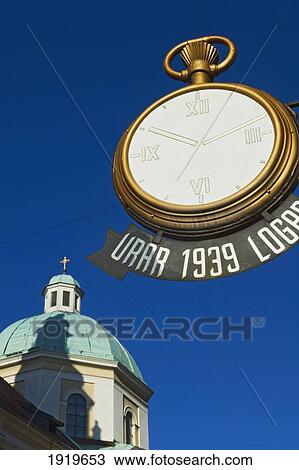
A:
(65, 278)
(66, 333)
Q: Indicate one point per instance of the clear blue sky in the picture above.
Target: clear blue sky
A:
(53, 171)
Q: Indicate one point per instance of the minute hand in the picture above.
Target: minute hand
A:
(234, 129)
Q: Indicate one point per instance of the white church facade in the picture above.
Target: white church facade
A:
(72, 368)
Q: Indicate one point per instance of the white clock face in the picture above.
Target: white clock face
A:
(201, 146)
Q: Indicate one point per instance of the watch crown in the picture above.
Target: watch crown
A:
(199, 50)
(201, 58)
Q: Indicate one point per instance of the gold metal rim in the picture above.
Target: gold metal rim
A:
(192, 221)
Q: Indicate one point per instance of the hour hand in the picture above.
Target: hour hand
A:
(172, 135)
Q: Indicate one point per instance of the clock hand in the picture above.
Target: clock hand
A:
(172, 135)
(205, 142)
(234, 129)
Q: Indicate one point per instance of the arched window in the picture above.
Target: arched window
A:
(129, 427)
(76, 416)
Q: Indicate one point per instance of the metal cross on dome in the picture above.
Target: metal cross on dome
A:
(64, 261)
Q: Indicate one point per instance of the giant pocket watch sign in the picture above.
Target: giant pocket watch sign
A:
(209, 171)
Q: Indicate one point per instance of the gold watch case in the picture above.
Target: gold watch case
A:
(274, 182)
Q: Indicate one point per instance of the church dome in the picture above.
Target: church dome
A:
(65, 333)
(65, 278)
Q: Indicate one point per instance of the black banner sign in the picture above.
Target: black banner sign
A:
(144, 253)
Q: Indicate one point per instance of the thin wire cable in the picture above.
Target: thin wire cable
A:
(45, 396)
(258, 397)
(52, 227)
(37, 42)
